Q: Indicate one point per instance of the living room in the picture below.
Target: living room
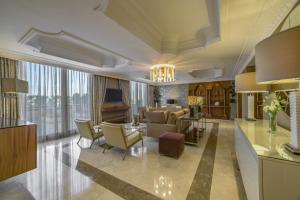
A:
(108, 99)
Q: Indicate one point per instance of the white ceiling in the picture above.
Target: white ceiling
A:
(132, 35)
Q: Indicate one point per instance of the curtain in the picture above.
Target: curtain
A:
(125, 87)
(78, 97)
(56, 97)
(8, 102)
(139, 96)
(99, 87)
(112, 83)
(151, 95)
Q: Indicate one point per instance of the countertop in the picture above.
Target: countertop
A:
(11, 123)
(265, 143)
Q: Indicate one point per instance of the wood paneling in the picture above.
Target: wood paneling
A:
(258, 106)
(115, 112)
(214, 92)
(18, 150)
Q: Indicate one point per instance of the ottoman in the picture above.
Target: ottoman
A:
(171, 144)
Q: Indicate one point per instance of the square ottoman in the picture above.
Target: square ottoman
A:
(171, 144)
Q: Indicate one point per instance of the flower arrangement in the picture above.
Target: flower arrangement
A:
(195, 100)
(272, 106)
(195, 103)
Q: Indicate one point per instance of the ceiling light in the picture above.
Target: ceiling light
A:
(162, 73)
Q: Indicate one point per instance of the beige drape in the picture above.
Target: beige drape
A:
(8, 102)
(99, 87)
(125, 87)
(151, 95)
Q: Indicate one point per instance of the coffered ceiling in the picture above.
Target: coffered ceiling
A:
(205, 39)
(170, 26)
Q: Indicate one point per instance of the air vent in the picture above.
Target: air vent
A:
(207, 73)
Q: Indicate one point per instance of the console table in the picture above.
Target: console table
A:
(192, 133)
(18, 147)
(268, 170)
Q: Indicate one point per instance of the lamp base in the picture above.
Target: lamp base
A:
(292, 149)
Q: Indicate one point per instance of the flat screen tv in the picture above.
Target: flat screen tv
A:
(170, 101)
(113, 95)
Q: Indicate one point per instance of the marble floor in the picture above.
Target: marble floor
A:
(70, 171)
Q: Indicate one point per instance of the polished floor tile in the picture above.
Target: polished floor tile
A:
(70, 171)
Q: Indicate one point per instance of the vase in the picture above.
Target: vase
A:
(193, 111)
(273, 122)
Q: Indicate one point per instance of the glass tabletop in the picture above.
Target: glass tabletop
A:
(132, 128)
(199, 116)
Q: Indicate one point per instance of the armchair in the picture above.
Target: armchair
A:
(116, 136)
(86, 130)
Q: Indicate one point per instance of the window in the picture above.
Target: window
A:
(56, 97)
(139, 96)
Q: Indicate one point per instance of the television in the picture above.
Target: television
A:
(113, 95)
(170, 101)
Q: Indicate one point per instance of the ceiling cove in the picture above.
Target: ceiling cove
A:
(265, 29)
(160, 23)
(68, 46)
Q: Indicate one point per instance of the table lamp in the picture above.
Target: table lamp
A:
(13, 85)
(246, 83)
(278, 62)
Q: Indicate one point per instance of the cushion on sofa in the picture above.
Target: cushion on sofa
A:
(173, 116)
(156, 109)
(186, 110)
(159, 117)
(142, 111)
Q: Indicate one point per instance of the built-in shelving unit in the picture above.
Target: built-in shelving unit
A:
(216, 97)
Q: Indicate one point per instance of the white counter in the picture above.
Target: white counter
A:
(268, 170)
(264, 143)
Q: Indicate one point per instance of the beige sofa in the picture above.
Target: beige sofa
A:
(162, 120)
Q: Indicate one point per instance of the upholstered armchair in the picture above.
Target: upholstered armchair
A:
(86, 130)
(116, 136)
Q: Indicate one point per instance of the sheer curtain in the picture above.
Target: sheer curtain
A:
(79, 96)
(139, 95)
(56, 97)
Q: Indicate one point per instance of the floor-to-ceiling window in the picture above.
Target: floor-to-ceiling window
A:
(139, 95)
(56, 97)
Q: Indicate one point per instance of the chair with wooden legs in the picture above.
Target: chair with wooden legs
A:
(86, 130)
(116, 136)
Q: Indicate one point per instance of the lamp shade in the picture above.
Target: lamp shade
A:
(277, 58)
(246, 83)
(13, 85)
(288, 87)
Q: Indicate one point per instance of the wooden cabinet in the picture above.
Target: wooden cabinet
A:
(18, 150)
(258, 106)
(115, 112)
(216, 97)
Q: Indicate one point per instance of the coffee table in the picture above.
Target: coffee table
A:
(192, 134)
(142, 127)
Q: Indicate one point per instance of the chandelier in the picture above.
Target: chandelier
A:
(162, 73)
